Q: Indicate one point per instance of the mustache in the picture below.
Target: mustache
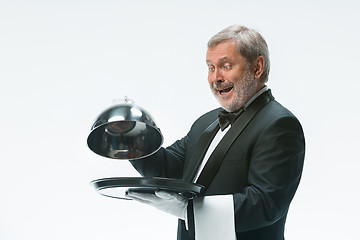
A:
(222, 85)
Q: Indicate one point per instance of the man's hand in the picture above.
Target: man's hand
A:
(168, 202)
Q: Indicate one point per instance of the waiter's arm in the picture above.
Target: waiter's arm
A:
(167, 162)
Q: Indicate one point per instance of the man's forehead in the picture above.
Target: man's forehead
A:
(222, 52)
(221, 59)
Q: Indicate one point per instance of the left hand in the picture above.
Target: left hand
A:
(168, 202)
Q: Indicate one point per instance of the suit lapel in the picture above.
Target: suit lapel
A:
(202, 146)
(211, 167)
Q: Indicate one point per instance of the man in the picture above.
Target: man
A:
(250, 169)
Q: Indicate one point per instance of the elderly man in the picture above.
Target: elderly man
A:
(248, 154)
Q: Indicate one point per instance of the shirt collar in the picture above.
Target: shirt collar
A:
(264, 89)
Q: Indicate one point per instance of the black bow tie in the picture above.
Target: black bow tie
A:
(226, 118)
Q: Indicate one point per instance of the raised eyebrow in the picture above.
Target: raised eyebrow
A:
(221, 60)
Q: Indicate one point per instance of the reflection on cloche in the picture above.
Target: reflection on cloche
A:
(124, 131)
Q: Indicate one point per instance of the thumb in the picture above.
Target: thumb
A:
(164, 195)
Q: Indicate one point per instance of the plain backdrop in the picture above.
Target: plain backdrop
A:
(63, 62)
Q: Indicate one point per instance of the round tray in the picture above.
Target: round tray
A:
(118, 186)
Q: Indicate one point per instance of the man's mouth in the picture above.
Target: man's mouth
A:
(225, 90)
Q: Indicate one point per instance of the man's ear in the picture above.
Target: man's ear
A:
(258, 67)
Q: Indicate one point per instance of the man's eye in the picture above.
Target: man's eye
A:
(211, 69)
(227, 67)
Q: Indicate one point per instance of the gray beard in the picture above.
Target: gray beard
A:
(243, 91)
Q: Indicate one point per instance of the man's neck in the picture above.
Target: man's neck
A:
(261, 91)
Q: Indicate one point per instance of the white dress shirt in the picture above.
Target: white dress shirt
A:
(214, 215)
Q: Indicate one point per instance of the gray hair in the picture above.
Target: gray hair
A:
(250, 45)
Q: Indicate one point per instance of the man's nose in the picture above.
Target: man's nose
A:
(217, 76)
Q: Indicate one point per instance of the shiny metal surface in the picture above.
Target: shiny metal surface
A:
(124, 131)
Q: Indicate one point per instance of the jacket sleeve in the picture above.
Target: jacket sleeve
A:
(274, 173)
(167, 162)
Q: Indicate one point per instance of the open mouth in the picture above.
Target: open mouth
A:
(225, 90)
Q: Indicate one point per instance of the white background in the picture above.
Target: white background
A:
(63, 62)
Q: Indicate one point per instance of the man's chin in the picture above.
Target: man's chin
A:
(230, 106)
(225, 105)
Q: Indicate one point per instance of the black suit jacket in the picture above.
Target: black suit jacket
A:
(262, 169)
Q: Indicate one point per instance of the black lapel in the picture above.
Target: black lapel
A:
(201, 148)
(214, 162)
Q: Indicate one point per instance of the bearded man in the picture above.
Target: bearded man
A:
(248, 154)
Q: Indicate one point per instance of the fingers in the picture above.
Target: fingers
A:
(168, 202)
(139, 200)
(165, 195)
(169, 195)
(156, 198)
(142, 197)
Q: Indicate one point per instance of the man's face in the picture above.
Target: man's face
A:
(231, 79)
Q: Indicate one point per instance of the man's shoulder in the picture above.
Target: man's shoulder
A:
(207, 118)
(211, 115)
(275, 113)
(277, 110)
